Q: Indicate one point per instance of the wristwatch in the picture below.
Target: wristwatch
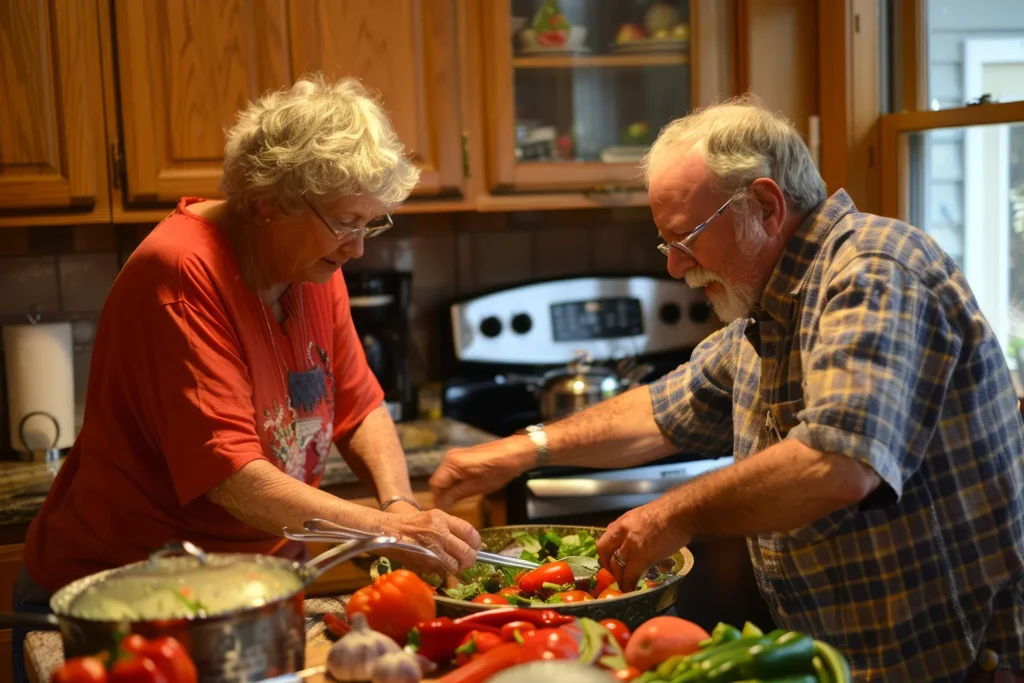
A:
(540, 439)
(404, 499)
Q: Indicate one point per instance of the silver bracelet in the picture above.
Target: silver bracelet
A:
(404, 499)
(540, 439)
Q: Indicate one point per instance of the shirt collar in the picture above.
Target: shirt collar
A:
(791, 270)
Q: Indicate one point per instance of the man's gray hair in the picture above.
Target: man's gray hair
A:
(317, 140)
(741, 142)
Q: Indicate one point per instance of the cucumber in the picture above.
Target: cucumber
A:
(834, 661)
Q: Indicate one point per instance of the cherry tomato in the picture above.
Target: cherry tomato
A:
(490, 599)
(550, 643)
(81, 670)
(617, 629)
(574, 596)
(523, 628)
(609, 593)
(509, 590)
(627, 674)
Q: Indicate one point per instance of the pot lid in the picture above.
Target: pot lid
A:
(171, 585)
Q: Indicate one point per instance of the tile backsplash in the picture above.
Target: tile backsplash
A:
(67, 271)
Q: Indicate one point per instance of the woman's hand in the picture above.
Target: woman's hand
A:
(454, 540)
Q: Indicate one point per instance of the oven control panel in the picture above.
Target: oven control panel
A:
(608, 317)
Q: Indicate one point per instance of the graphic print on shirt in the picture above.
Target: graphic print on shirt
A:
(307, 418)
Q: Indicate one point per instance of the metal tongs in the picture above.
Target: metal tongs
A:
(328, 532)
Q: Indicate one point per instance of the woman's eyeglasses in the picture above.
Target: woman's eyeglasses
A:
(683, 245)
(346, 232)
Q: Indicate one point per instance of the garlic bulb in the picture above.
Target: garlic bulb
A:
(353, 656)
(401, 667)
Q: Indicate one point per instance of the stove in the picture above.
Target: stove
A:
(500, 337)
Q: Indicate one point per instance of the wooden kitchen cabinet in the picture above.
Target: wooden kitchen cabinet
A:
(186, 67)
(53, 146)
(574, 108)
(407, 51)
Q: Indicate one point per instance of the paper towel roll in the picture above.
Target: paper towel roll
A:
(40, 377)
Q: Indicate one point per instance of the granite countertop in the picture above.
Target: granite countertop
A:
(45, 651)
(23, 486)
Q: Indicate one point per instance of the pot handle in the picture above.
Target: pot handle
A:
(323, 562)
(29, 620)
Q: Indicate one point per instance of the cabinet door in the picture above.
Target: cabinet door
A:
(186, 68)
(405, 50)
(578, 89)
(53, 148)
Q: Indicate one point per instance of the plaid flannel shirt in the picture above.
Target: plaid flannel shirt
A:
(872, 346)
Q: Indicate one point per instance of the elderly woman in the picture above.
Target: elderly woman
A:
(226, 361)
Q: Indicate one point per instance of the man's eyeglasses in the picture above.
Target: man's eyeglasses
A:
(683, 245)
(346, 232)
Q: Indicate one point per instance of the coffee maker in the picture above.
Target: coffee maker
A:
(380, 312)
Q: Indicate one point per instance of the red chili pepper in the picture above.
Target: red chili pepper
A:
(557, 573)
(335, 625)
(500, 617)
(502, 657)
(517, 630)
(475, 644)
(602, 580)
(438, 638)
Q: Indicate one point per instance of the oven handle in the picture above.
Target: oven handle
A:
(579, 488)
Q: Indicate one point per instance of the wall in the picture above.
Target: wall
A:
(67, 271)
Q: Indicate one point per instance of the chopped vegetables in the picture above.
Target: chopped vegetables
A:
(137, 660)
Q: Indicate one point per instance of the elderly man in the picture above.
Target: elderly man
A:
(872, 415)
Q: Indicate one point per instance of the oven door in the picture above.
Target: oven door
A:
(721, 586)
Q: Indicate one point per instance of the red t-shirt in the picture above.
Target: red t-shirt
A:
(187, 386)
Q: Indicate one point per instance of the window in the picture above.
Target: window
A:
(953, 160)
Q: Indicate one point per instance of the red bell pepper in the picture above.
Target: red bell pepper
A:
(500, 617)
(476, 643)
(81, 670)
(438, 639)
(556, 573)
(137, 670)
(602, 580)
(169, 656)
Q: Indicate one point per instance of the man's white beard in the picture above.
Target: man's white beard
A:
(730, 302)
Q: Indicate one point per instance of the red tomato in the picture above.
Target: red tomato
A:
(523, 628)
(519, 577)
(490, 599)
(574, 596)
(81, 670)
(617, 629)
(627, 674)
(557, 573)
(602, 580)
(138, 670)
(509, 590)
(609, 593)
(394, 604)
(656, 640)
(550, 643)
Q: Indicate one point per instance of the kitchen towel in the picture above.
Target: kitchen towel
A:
(40, 378)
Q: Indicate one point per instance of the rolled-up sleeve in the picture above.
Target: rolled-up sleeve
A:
(876, 378)
(693, 404)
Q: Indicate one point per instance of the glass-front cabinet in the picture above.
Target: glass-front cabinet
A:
(583, 88)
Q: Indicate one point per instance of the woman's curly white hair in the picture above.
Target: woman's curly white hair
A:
(317, 140)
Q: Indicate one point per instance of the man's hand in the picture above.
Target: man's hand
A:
(482, 469)
(639, 539)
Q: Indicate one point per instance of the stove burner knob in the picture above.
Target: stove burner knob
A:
(670, 314)
(522, 323)
(490, 326)
(700, 312)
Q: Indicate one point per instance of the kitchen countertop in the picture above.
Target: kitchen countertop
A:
(23, 486)
(44, 652)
